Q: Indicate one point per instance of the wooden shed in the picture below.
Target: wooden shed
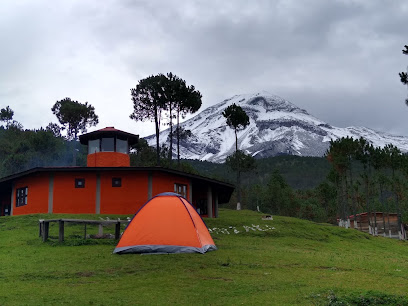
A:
(384, 224)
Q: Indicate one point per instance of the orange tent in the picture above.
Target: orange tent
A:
(167, 223)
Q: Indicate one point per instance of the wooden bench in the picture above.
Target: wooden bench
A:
(44, 226)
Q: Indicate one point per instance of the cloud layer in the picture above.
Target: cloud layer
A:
(337, 59)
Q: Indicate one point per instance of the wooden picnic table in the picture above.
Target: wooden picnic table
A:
(45, 226)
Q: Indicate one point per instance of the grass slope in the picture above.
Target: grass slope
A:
(297, 262)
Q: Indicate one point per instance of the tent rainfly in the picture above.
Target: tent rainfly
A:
(167, 223)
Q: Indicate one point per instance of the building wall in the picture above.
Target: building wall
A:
(37, 195)
(57, 193)
(126, 199)
(71, 200)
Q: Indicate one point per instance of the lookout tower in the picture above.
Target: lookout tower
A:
(108, 147)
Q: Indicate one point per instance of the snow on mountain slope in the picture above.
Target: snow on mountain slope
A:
(276, 127)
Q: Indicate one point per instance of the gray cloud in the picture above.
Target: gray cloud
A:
(337, 59)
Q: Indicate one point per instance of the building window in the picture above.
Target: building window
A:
(181, 189)
(116, 182)
(79, 183)
(21, 196)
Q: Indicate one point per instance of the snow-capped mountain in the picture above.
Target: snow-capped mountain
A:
(276, 127)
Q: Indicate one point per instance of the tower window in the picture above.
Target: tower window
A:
(108, 144)
(121, 146)
(93, 146)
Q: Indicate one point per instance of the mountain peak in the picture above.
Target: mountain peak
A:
(261, 100)
(276, 127)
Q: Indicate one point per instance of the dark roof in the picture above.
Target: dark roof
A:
(109, 131)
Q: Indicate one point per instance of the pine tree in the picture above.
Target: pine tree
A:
(75, 117)
(187, 100)
(238, 120)
(149, 101)
(6, 114)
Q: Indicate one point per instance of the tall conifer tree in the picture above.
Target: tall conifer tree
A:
(237, 120)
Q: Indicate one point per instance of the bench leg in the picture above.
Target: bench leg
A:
(61, 231)
(45, 231)
(40, 228)
(117, 230)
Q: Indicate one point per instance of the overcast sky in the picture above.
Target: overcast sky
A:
(339, 60)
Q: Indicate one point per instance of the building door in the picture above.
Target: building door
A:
(6, 210)
(5, 205)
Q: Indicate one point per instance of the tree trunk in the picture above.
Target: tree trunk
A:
(375, 232)
(353, 197)
(236, 141)
(74, 153)
(396, 202)
(346, 198)
(156, 122)
(238, 173)
(171, 132)
(178, 138)
(339, 195)
(383, 206)
(367, 198)
(238, 190)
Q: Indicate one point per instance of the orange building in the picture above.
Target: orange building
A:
(108, 185)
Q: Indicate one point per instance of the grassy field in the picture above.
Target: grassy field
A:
(289, 262)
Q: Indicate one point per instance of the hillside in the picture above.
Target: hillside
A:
(290, 261)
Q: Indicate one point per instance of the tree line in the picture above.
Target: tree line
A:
(368, 179)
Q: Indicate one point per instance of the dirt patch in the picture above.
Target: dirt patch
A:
(218, 278)
(85, 274)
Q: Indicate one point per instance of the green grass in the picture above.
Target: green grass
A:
(298, 262)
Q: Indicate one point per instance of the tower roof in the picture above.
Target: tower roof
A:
(109, 131)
